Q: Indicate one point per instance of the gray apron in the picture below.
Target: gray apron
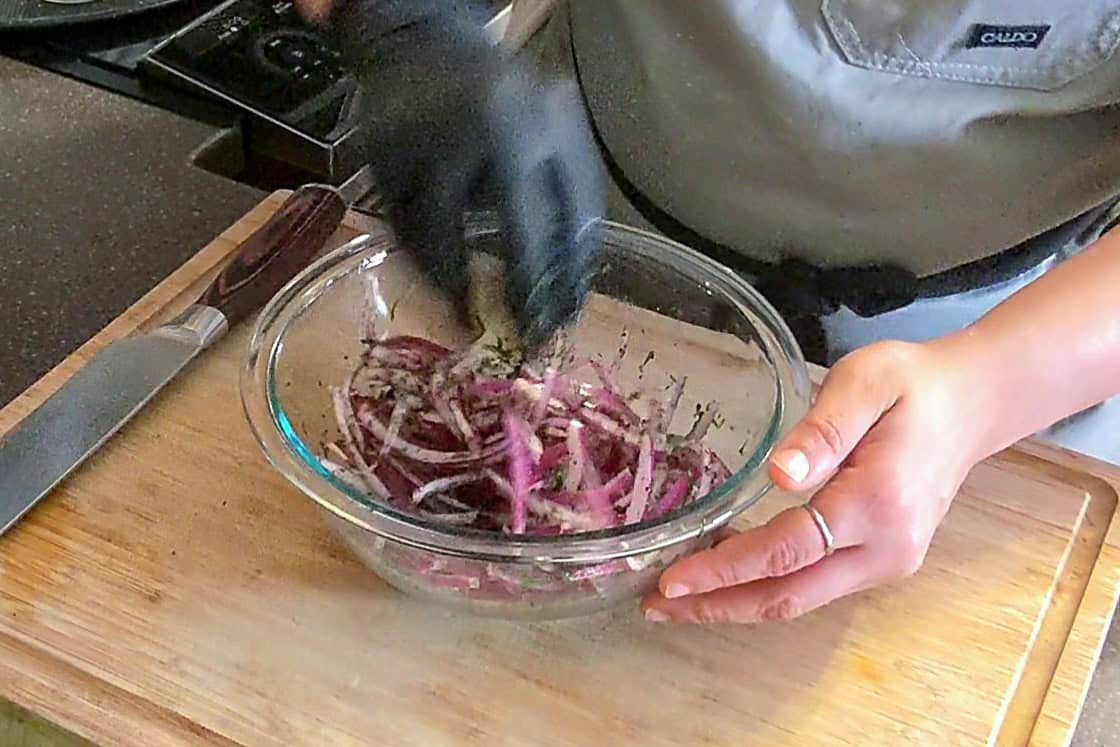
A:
(958, 143)
(859, 132)
(923, 136)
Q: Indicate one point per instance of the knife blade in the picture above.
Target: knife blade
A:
(116, 383)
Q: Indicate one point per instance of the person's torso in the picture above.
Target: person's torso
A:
(849, 132)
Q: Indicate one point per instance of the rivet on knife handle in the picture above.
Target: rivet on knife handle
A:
(276, 252)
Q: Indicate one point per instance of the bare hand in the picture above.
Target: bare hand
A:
(891, 438)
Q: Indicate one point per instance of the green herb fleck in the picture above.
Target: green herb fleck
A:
(393, 310)
(558, 477)
(504, 353)
(675, 441)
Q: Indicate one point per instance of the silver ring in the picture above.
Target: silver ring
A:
(822, 526)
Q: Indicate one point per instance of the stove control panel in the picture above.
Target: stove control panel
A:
(262, 58)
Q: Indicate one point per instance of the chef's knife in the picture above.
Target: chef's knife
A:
(89, 408)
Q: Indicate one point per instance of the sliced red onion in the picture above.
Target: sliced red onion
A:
(347, 425)
(660, 473)
(429, 456)
(551, 431)
(672, 401)
(397, 486)
(397, 359)
(333, 450)
(404, 352)
(643, 482)
(589, 572)
(462, 518)
(451, 503)
(414, 480)
(437, 387)
(534, 393)
(534, 444)
(618, 485)
(371, 483)
(396, 420)
(605, 399)
(591, 477)
(550, 530)
(342, 399)
(444, 484)
(603, 423)
(540, 407)
(553, 455)
(672, 498)
(487, 388)
(577, 457)
(464, 425)
(455, 581)
(705, 484)
(501, 483)
(598, 500)
(520, 469)
(566, 517)
(564, 456)
(364, 483)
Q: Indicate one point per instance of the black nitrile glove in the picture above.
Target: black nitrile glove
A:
(446, 119)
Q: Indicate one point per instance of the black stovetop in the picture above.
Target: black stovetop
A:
(108, 54)
(250, 63)
(229, 62)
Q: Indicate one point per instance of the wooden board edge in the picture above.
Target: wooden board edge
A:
(1074, 670)
(166, 299)
(153, 307)
(1049, 715)
(1065, 697)
(75, 704)
(150, 308)
(1035, 671)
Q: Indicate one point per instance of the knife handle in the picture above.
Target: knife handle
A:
(276, 252)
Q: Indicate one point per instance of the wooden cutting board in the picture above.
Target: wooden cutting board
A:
(176, 590)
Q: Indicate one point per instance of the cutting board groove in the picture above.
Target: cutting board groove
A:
(177, 591)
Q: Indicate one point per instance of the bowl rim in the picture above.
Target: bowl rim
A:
(287, 452)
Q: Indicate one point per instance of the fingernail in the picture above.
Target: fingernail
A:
(794, 463)
(656, 616)
(673, 591)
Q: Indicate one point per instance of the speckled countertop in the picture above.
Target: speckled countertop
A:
(98, 203)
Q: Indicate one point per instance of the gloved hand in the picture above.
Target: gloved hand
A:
(450, 126)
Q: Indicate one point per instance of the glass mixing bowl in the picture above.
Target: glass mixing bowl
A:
(686, 316)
